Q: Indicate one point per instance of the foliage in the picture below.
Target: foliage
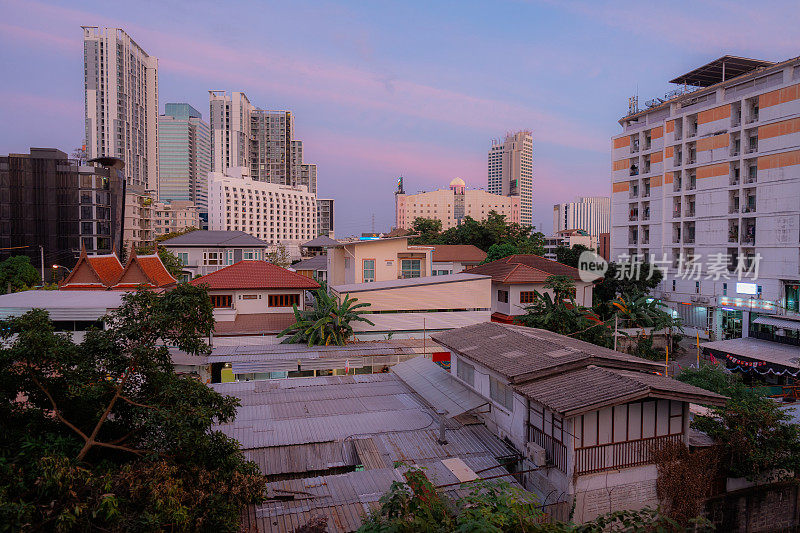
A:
(279, 256)
(327, 322)
(173, 234)
(570, 256)
(641, 311)
(499, 251)
(754, 435)
(108, 436)
(562, 286)
(685, 479)
(493, 230)
(171, 262)
(622, 279)
(565, 317)
(18, 273)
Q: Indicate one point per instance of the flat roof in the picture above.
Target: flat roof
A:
(214, 238)
(62, 305)
(407, 282)
(721, 69)
(758, 350)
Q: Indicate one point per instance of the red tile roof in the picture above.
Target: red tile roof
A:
(465, 253)
(108, 267)
(145, 270)
(255, 275)
(524, 269)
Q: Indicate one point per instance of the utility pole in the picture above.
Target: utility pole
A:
(41, 253)
(616, 319)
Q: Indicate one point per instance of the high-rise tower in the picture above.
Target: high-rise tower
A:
(511, 170)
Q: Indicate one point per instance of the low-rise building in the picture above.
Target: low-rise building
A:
(317, 246)
(568, 239)
(105, 272)
(315, 267)
(205, 251)
(177, 215)
(254, 297)
(585, 417)
(417, 307)
(377, 260)
(455, 258)
(516, 278)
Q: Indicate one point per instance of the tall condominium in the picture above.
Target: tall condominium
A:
(277, 214)
(511, 170)
(591, 214)
(60, 204)
(271, 152)
(231, 137)
(184, 156)
(710, 176)
(325, 217)
(452, 205)
(121, 104)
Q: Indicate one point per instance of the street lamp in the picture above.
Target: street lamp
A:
(55, 267)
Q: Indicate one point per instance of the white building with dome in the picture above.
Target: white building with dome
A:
(452, 205)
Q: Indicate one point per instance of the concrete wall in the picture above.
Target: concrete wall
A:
(583, 296)
(346, 263)
(246, 306)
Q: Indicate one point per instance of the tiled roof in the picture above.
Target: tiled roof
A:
(520, 353)
(458, 252)
(601, 387)
(255, 275)
(144, 270)
(318, 262)
(155, 270)
(214, 238)
(525, 269)
(541, 263)
(255, 324)
(108, 267)
(321, 241)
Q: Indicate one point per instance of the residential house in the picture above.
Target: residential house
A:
(377, 260)
(203, 251)
(455, 258)
(417, 307)
(105, 272)
(254, 297)
(315, 267)
(516, 277)
(318, 246)
(585, 417)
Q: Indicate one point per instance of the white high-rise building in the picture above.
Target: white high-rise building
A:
(710, 176)
(592, 214)
(277, 214)
(511, 170)
(231, 135)
(121, 103)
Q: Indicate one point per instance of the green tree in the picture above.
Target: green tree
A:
(562, 286)
(18, 273)
(279, 256)
(173, 234)
(328, 322)
(565, 317)
(499, 251)
(570, 256)
(623, 279)
(427, 229)
(754, 435)
(108, 436)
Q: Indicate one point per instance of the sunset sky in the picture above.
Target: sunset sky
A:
(382, 89)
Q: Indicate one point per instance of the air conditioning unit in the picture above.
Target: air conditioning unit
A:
(694, 298)
(535, 453)
(665, 295)
(702, 300)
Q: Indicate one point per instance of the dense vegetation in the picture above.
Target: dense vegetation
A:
(103, 435)
(17, 274)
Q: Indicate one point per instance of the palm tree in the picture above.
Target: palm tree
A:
(327, 322)
(642, 311)
(566, 318)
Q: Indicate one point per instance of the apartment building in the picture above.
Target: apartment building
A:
(325, 217)
(184, 149)
(271, 152)
(231, 137)
(711, 172)
(277, 214)
(174, 216)
(452, 205)
(568, 239)
(591, 214)
(511, 170)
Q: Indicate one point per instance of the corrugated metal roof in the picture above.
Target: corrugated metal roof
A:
(777, 322)
(438, 387)
(62, 305)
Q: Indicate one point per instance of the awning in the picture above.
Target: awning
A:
(777, 322)
(438, 387)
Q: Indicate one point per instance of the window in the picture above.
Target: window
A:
(222, 301)
(284, 300)
(501, 394)
(249, 297)
(410, 268)
(466, 372)
(502, 296)
(369, 270)
(527, 297)
(183, 257)
(724, 289)
(251, 255)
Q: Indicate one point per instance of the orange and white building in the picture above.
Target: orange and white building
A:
(713, 170)
(452, 205)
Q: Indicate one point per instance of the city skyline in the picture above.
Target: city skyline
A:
(373, 103)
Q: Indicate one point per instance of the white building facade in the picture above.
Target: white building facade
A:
(231, 138)
(591, 214)
(714, 175)
(511, 170)
(277, 214)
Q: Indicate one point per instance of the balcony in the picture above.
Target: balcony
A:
(634, 171)
(734, 180)
(690, 212)
(620, 455)
(749, 208)
(689, 239)
(748, 240)
(646, 215)
(633, 217)
(733, 236)
(676, 213)
(555, 452)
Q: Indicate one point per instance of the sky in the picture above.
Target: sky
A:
(382, 89)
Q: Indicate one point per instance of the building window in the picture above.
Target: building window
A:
(501, 394)
(183, 257)
(284, 300)
(250, 297)
(466, 372)
(410, 268)
(502, 296)
(527, 297)
(369, 270)
(724, 289)
(222, 301)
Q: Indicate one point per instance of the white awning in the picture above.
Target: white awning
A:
(777, 322)
(438, 387)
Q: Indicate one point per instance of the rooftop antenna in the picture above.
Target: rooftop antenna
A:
(373, 222)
